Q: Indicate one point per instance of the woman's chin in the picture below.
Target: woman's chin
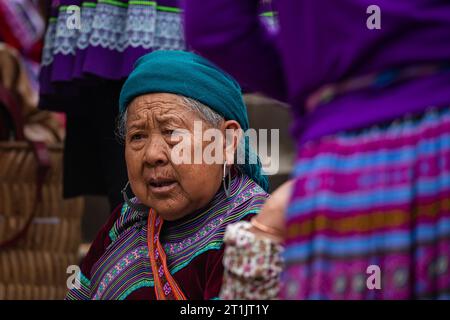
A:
(168, 210)
(170, 214)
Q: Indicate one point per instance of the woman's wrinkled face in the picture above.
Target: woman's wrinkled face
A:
(173, 190)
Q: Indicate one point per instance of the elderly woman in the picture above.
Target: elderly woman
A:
(167, 241)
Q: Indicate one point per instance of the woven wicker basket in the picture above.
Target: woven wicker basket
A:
(34, 267)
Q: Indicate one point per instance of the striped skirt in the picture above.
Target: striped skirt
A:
(369, 217)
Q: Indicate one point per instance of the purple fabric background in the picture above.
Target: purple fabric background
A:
(326, 41)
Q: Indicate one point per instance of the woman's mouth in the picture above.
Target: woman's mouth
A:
(161, 186)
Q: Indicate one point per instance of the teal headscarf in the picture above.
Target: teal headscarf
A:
(189, 75)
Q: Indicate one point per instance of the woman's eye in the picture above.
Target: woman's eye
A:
(168, 132)
(137, 137)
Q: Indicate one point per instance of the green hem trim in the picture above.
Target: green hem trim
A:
(84, 280)
(112, 235)
(268, 14)
(216, 245)
(141, 2)
(140, 284)
(125, 5)
(169, 9)
(114, 3)
(211, 246)
(89, 4)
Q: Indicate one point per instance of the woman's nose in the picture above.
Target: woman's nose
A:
(155, 152)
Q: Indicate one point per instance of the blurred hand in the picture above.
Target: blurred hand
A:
(273, 211)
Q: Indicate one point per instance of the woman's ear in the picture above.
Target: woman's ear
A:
(233, 134)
